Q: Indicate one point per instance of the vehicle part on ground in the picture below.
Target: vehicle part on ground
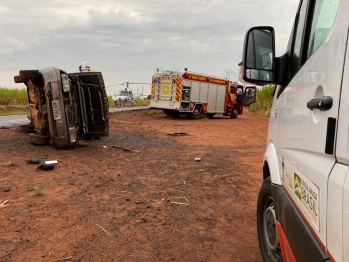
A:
(27, 128)
(40, 140)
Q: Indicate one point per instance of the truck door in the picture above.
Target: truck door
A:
(306, 136)
(249, 95)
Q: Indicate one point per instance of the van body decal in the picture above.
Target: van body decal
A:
(304, 193)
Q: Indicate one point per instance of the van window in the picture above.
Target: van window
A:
(320, 16)
(297, 44)
(324, 15)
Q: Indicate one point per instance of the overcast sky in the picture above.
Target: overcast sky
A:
(126, 40)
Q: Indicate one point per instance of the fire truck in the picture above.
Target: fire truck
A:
(193, 94)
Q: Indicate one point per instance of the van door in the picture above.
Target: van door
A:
(306, 134)
(338, 195)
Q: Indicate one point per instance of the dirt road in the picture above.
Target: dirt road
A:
(137, 195)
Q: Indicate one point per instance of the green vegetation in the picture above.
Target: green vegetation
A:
(142, 102)
(111, 101)
(13, 96)
(13, 110)
(37, 190)
(147, 113)
(13, 101)
(264, 101)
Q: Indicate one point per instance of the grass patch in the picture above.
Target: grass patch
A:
(6, 110)
(147, 113)
(13, 96)
(38, 190)
(142, 102)
(264, 101)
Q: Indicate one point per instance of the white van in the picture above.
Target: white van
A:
(303, 204)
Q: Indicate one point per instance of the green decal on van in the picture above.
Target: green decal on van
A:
(298, 186)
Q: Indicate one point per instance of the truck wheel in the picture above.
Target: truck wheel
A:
(234, 112)
(29, 74)
(266, 225)
(210, 115)
(197, 113)
(40, 140)
(27, 128)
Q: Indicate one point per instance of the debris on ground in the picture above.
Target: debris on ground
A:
(178, 203)
(5, 188)
(197, 159)
(33, 161)
(106, 231)
(3, 203)
(8, 163)
(178, 134)
(42, 162)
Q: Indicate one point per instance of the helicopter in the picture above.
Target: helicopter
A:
(127, 95)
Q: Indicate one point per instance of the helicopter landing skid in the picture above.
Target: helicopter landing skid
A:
(125, 103)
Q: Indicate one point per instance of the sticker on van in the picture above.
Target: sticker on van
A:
(302, 190)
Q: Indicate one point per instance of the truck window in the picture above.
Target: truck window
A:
(324, 15)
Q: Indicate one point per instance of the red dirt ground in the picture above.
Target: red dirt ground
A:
(137, 195)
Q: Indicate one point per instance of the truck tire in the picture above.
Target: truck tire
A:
(210, 115)
(40, 140)
(234, 112)
(29, 74)
(197, 113)
(266, 225)
(18, 79)
(27, 128)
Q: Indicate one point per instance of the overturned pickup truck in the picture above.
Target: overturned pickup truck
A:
(65, 107)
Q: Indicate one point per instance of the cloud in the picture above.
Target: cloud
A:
(129, 39)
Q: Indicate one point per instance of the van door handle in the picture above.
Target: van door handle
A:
(323, 103)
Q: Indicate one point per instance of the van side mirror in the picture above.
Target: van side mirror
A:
(258, 59)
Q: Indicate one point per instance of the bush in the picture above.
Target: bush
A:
(264, 100)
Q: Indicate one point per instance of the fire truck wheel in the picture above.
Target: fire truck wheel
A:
(266, 225)
(40, 140)
(234, 113)
(197, 114)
